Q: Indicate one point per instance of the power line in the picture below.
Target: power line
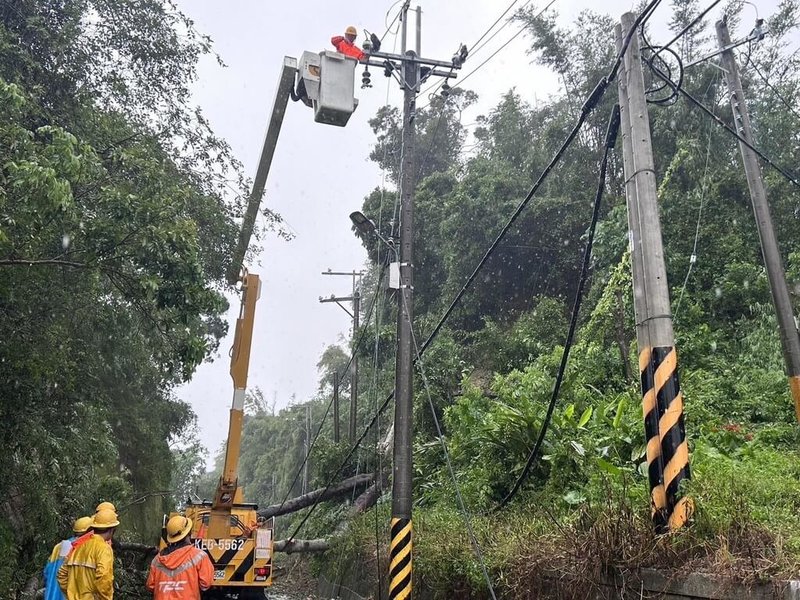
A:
(694, 101)
(485, 33)
(460, 83)
(694, 22)
(775, 91)
(611, 138)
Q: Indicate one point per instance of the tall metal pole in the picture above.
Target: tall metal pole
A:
(400, 566)
(661, 394)
(354, 371)
(790, 342)
(335, 407)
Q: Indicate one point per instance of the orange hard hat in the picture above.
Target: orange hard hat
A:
(351, 31)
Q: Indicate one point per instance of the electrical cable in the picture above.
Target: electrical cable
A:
(435, 88)
(386, 18)
(460, 500)
(693, 256)
(694, 101)
(610, 142)
(485, 33)
(694, 22)
(775, 91)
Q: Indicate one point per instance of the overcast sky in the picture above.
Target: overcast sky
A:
(321, 173)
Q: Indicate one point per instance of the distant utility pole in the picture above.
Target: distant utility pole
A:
(411, 71)
(307, 446)
(790, 341)
(335, 407)
(662, 399)
(355, 315)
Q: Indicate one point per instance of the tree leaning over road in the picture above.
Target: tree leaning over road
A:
(117, 217)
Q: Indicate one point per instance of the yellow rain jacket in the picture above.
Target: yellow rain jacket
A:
(88, 572)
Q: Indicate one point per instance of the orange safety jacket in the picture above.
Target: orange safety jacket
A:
(180, 573)
(346, 47)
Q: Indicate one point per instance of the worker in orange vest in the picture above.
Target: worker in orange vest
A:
(180, 571)
(346, 44)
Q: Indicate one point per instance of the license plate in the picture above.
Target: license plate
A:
(219, 574)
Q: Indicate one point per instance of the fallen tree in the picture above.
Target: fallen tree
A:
(340, 489)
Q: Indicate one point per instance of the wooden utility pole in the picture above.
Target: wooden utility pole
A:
(354, 370)
(790, 341)
(356, 300)
(662, 400)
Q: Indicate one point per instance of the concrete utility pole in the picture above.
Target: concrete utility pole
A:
(409, 70)
(662, 400)
(335, 407)
(790, 341)
(356, 300)
(306, 446)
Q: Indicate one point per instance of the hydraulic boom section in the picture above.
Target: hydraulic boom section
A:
(228, 491)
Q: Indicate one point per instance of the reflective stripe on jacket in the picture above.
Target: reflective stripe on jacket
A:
(88, 571)
(60, 551)
(180, 573)
(346, 47)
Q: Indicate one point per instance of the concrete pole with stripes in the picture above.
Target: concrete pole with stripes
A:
(790, 341)
(400, 544)
(655, 470)
(662, 399)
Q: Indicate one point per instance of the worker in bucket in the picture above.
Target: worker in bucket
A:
(346, 44)
(180, 571)
(60, 552)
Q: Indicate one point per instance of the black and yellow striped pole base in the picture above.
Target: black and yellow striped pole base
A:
(667, 449)
(400, 559)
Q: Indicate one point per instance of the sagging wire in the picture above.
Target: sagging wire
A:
(610, 142)
(693, 256)
(695, 102)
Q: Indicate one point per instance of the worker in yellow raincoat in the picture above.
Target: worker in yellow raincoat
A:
(88, 572)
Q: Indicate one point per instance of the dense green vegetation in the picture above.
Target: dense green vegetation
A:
(115, 231)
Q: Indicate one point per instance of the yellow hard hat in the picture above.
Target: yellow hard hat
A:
(178, 527)
(351, 31)
(82, 525)
(105, 519)
(105, 506)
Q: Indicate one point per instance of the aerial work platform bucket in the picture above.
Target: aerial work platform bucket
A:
(329, 82)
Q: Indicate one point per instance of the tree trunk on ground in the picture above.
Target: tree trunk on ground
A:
(295, 504)
(290, 546)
